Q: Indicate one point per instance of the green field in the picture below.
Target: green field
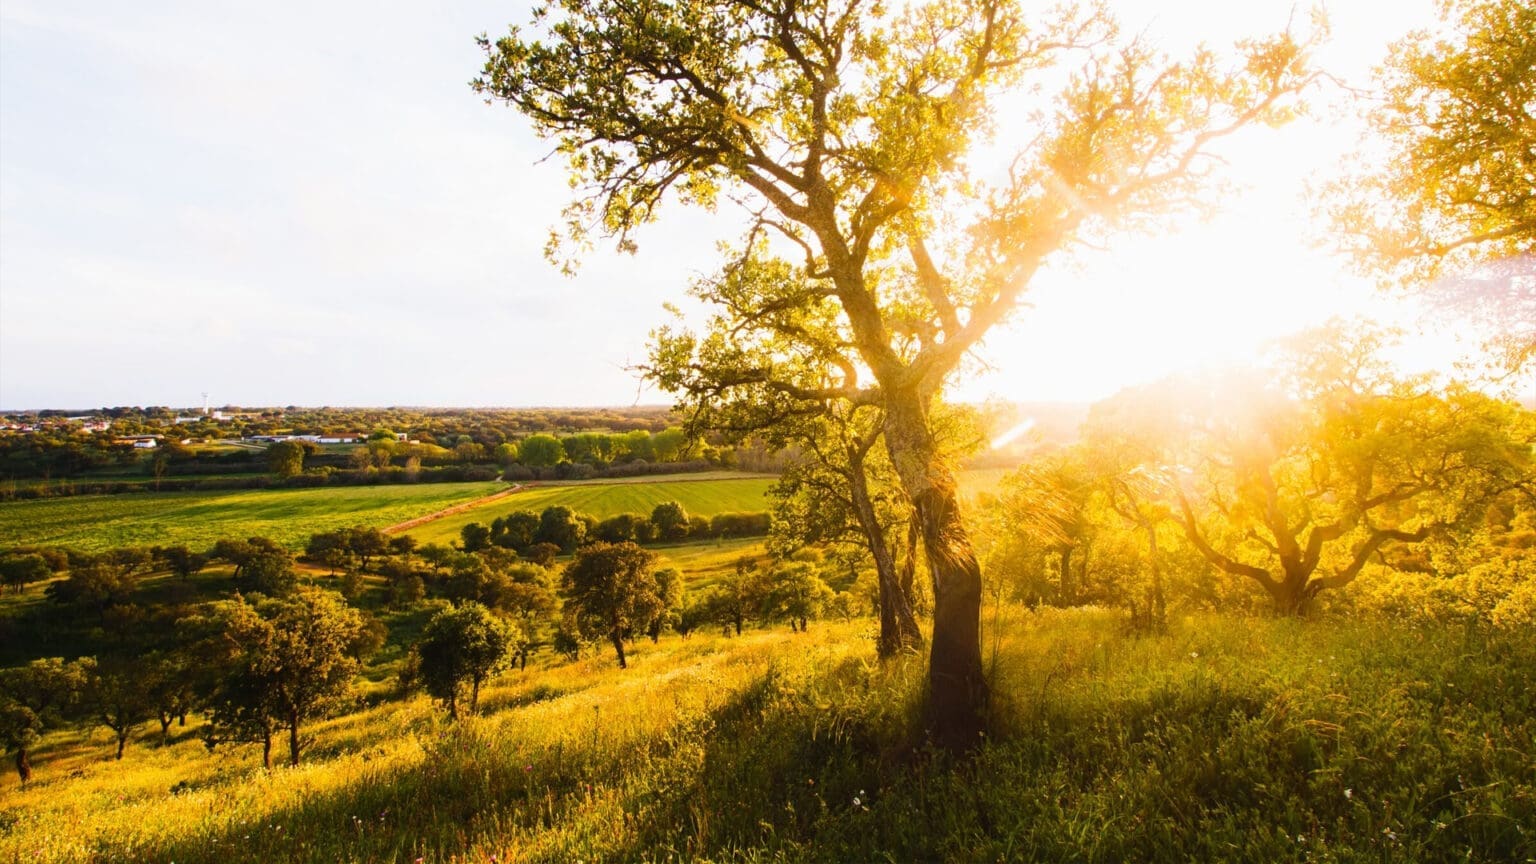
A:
(97, 522)
(700, 497)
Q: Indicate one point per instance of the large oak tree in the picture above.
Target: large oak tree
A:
(847, 130)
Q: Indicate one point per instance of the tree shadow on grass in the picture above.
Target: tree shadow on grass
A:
(768, 760)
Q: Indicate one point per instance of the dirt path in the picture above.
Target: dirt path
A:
(457, 508)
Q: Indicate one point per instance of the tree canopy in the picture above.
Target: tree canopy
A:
(846, 131)
(1450, 204)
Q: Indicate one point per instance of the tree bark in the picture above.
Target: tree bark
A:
(618, 645)
(1066, 576)
(898, 627)
(293, 739)
(122, 741)
(958, 694)
(23, 765)
(266, 751)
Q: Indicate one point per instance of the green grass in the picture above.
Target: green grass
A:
(290, 516)
(700, 497)
(1227, 739)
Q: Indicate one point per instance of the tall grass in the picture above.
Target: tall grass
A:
(1224, 740)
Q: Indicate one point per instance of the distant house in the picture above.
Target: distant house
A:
(343, 438)
(141, 442)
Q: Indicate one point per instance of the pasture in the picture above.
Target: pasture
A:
(197, 519)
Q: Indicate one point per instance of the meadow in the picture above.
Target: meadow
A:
(197, 519)
(1225, 739)
(719, 493)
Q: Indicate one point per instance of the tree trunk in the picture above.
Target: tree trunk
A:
(618, 645)
(1290, 597)
(122, 741)
(23, 765)
(474, 694)
(293, 739)
(898, 627)
(1066, 576)
(165, 727)
(909, 565)
(1159, 605)
(957, 687)
(266, 750)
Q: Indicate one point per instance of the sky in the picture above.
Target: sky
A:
(277, 204)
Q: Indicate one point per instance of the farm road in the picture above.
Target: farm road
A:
(457, 508)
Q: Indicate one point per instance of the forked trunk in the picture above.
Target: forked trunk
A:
(957, 687)
(1290, 597)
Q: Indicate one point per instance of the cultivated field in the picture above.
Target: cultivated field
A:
(95, 523)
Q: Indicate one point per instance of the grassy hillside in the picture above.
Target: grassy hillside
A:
(1225, 740)
(94, 523)
(701, 497)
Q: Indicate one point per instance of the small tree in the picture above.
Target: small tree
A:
(463, 645)
(97, 585)
(33, 698)
(612, 590)
(367, 544)
(559, 526)
(293, 657)
(16, 571)
(269, 573)
(795, 593)
(670, 520)
(285, 458)
(475, 537)
(117, 694)
(669, 589)
(329, 549)
(181, 560)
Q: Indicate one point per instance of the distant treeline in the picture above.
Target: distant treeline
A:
(325, 476)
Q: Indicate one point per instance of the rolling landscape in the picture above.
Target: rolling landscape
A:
(782, 431)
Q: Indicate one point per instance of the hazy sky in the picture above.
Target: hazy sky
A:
(306, 204)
